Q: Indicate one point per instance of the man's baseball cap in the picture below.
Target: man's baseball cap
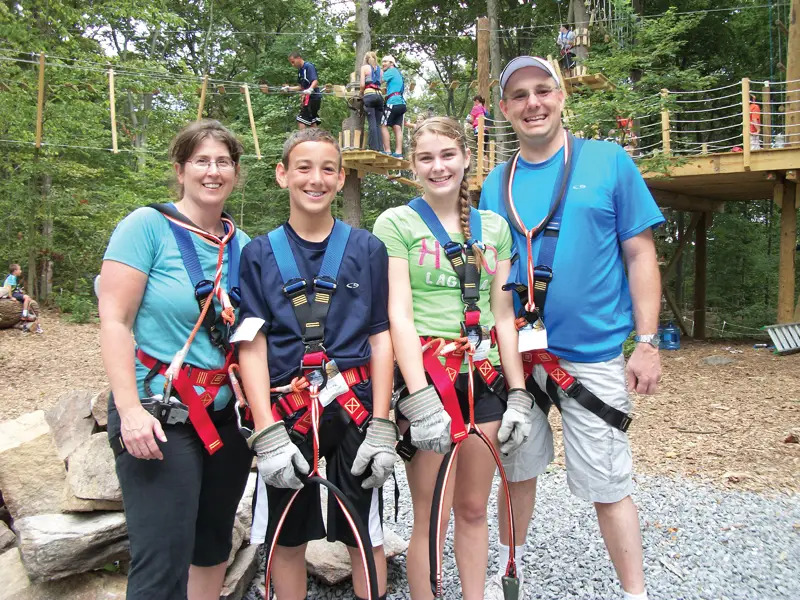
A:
(521, 62)
(390, 59)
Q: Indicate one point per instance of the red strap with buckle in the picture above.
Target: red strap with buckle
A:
(444, 378)
(188, 377)
(551, 366)
(289, 404)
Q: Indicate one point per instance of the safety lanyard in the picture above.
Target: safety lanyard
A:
(556, 206)
(468, 273)
(310, 316)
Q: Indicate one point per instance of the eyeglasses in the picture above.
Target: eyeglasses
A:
(204, 164)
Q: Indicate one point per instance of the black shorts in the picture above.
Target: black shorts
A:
(180, 510)
(309, 112)
(18, 296)
(488, 405)
(339, 442)
(393, 115)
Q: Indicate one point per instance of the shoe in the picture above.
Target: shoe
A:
(493, 590)
(39, 329)
(397, 155)
(25, 329)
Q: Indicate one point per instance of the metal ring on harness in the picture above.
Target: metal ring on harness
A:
(348, 509)
(510, 580)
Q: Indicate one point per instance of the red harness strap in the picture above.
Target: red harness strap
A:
(183, 383)
(288, 404)
(550, 363)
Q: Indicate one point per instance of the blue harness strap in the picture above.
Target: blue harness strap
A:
(310, 316)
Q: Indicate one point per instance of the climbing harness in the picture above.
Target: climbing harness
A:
(475, 338)
(533, 293)
(510, 581)
(191, 406)
(320, 383)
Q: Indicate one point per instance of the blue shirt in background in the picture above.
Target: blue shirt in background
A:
(588, 313)
(394, 85)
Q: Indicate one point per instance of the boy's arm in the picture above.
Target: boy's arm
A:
(381, 365)
(254, 368)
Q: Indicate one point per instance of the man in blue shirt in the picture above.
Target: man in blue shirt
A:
(592, 305)
(308, 86)
(395, 106)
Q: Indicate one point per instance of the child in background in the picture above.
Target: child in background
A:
(13, 283)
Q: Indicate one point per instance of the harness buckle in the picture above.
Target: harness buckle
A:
(575, 388)
(452, 248)
(167, 412)
(296, 437)
(625, 423)
(293, 286)
(543, 272)
(203, 289)
(325, 283)
(498, 386)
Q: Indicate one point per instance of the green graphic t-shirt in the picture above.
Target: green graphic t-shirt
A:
(435, 290)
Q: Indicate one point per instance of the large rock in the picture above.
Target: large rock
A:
(331, 562)
(71, 420)
(71, 503)
(91, 473)
(240, 574)
(245, 510)
(100, 407)
(237, 539)
(32, 476)
(57, 545)
(15, 585)
(7, 537)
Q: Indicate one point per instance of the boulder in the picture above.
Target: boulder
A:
(32, 476)
(71, 503)
(240, 574)
(15, 585)
(91, 474)
(58, 545)
(100, 407)
(331, 562)
(7, 537)
(237, 540)
(71, 420)
(245, 510)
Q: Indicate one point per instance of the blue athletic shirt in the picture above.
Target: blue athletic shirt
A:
(359, 307)
(589, 313)
(394, 83)
(168, 312)
(305, 77)
(11, 281)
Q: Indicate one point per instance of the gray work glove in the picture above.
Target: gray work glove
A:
(430, 423)
(278, 458)
(517, 421)
(377, 447)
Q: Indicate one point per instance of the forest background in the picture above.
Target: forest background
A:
(59, 203)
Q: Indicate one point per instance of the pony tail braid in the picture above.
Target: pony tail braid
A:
(466, 205)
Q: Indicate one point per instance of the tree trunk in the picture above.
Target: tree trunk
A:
(578, 10)
(46, 271)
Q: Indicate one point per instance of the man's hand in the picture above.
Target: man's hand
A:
(643, 371)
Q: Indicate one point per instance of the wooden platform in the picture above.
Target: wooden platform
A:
(593, 81)
(725, 176)
(370, 161)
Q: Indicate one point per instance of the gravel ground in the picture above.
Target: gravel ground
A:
(700, 543)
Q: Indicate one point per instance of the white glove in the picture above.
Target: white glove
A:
(517, 421)
(430, 423)
(377, 448)
(279, 459)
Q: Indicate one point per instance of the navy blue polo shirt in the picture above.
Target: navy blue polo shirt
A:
(359, 307)
(306, 75)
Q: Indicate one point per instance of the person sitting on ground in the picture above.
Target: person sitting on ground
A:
(12, 282)
(395, 106)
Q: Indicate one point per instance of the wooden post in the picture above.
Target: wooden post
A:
(479, 150)
(665, 125)
(784, 195)
(202, 97)
(40, 103)
(483, 57)
(700, 264)
(113, 104)
(793, 75)
(246, 89)
(492, 154)
(766, 117)
(746, 123)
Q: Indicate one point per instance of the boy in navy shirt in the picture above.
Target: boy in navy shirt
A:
(356, 438)
(308, 86)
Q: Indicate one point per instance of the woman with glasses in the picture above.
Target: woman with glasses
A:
(181, 462)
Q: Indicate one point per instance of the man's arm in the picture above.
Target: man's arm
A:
(643, 370)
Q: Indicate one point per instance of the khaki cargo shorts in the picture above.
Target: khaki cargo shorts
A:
(598, 456)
